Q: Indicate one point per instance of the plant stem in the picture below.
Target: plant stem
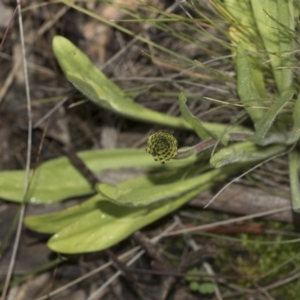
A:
(203, 145)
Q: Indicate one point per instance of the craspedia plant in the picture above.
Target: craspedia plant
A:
(162, 146)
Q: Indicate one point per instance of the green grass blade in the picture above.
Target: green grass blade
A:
(265, 123)
(265, 14)
(243, 30)
(295, 134)
(294, 179)
(93, 83)
(286, 27)
(275, 22)
(246, 88)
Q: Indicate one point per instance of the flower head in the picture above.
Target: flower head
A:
(162, 146)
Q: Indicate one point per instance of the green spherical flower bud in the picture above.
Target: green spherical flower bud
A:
(162, 146)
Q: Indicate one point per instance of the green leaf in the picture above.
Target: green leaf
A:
(246, 88)
(206, 288)
(147, 189)
(294, 179)
(203, 132)
(286, 30)
(194, 286)
(265, 14)
(207, 130)
(100, 224)
(243, 30)
(295, 134)
(110, 223)
(56, 221)
(265, 123)
(53, 222)
(244, 152)
(93, 83)
(192, 274)
(147, 195)
(275, 23)
(57, 179)
(194, 122)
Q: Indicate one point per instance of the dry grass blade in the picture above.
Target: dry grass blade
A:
(28, 159)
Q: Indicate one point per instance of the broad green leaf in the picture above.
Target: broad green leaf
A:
(203, 132)
(56, 221)
(57, 179)
(265, 123)
(145, 190)
(294, 179)
(53, 222)
(148, 195)
(244, 152)
(246, 88)
(102, 91)
(109, 191)
(110, 223)
(93, 83)
(102, 227)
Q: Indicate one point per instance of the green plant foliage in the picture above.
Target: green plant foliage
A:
(244, 152)
(93, 83)
(248, 93)
(295, 134)
(51, 223)
(203, 132)
(102, 224)
(200, 285)
(141, 196)
(273, 261)
(110, 224)
(261, 259)
(99, 224)
(243, 30)
(68, 181)
(56, 221)
(116, 211)
(265, 123)
(275, 22)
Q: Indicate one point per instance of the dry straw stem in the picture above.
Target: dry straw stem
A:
(28, 158)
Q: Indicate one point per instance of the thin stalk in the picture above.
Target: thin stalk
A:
(204, 145)
(28, 158)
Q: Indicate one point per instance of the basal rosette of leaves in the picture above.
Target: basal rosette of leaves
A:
(116, 211)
